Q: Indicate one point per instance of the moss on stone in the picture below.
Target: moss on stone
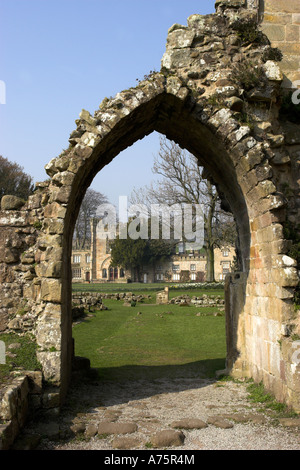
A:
(248, 74)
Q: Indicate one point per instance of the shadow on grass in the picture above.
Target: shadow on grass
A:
(199, 369)
(119, 385)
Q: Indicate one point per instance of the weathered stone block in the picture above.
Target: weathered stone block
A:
(286, 48)
(292, 33)
(55, 210)
(51, 290)
(54, 226)
(62, 162)
(281, 157)
(31, 291)
(180, 39)
(9, 203)
(14, 405)
(50, 240)
(295, 18)
(230, 3)
(167, 438)
(278, 18)
(291, 65)
(50, 269)
(86, 116)
(60, 195)
(177, 58)
(117, 428)
(285, 277)
(9, 255)
(282, 6)
(274, 32)
(4, 319)
(48, 331)
(51, 363)
(272, 71)
(52, 253)
(64, 178)
(173, 85)
(220, 117)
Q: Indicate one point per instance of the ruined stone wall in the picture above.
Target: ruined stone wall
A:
(20, 225)
(281, 23)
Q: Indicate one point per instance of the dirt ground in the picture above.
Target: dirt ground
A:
(182, 413)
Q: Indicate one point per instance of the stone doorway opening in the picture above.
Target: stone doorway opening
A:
(166, 114)
(191, 261)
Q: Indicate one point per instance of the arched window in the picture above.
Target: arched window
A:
(104, 273)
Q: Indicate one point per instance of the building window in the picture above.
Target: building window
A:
(175, 267)
(122, 274)
(193, 267)
(159, 268)
(225, 269)
(87, 258)
(76, 273)
(226, 265)
(113, 273)
(104, 273)
(176, 277)
(76, 258)
(159, 277)
(193, 276)
(225, 253)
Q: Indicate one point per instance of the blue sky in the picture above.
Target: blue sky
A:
(58, 57)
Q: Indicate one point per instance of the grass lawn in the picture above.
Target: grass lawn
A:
(23, 355)
(152, 340)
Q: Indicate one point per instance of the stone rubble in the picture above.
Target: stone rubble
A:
(180, 413)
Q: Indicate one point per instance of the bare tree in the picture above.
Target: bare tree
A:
(181, 182)
(82, 232)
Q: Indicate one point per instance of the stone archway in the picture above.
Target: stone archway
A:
(201, 99)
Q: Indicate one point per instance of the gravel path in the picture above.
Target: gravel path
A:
(141, 414)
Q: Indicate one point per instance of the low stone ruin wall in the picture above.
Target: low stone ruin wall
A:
(95, 299)
(201, 301)
(19, 399)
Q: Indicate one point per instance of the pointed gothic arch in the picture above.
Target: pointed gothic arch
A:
(230, 156)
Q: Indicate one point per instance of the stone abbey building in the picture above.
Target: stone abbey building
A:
(93, 264)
